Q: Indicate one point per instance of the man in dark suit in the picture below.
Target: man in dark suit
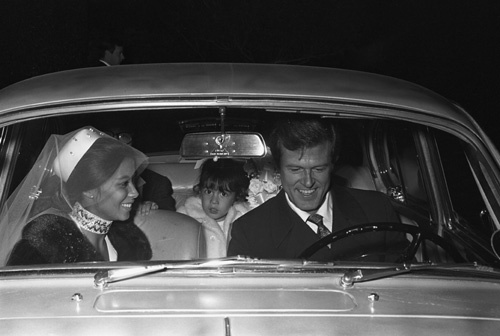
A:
(305, 151)
(158, 189)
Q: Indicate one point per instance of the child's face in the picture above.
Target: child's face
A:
(216, 203)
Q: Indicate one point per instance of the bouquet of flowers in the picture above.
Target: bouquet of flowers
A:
(265, 183)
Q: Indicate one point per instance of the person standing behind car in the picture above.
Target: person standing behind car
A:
(283, 227)
(106, 53)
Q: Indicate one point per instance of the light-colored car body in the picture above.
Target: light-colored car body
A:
(245, 296)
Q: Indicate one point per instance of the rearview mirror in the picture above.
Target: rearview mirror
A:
(227, 145)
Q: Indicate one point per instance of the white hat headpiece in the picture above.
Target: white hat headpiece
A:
(72, 152)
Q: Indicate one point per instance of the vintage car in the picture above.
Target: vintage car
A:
(439, 169)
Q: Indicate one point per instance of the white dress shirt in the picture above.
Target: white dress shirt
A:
(324, 210)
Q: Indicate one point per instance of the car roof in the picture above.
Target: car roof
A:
(223, 79)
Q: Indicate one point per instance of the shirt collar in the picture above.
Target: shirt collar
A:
(324, 210)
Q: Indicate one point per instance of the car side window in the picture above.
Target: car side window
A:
(405, 165)
(465, 195)
(31, 137)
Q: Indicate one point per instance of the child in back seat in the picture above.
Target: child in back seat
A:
(220, 199)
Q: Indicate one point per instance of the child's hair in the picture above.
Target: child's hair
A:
(224, 175)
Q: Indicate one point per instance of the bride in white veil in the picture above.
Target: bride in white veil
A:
(63, 210)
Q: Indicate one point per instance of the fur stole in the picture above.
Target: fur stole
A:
(51, 238)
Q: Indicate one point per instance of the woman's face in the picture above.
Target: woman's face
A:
(217, 203)
(114, 199)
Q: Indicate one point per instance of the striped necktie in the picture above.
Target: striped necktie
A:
(322, 229)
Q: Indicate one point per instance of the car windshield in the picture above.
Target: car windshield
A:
(395, 191)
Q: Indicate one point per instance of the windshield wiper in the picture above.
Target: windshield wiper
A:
(102, 278)
(362, 275)
(231, 264)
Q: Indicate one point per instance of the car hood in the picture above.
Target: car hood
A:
(244, 302)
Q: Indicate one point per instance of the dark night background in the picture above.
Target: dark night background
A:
(451, 47)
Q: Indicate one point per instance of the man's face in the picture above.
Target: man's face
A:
(116, 57)
(306, 175)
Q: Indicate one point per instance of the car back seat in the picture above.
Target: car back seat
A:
(172, 235)
(357, 177)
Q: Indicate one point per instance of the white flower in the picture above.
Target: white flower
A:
(256, 186)
(270, 187)
(260, 191)
(252, 201)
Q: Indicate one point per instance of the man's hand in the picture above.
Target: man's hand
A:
(144, 208)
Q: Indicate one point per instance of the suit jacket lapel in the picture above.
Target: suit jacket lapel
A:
(290, 234)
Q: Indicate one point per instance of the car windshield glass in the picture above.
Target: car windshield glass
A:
(386, 191)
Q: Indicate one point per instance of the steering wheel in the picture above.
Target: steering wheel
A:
(417, 233)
